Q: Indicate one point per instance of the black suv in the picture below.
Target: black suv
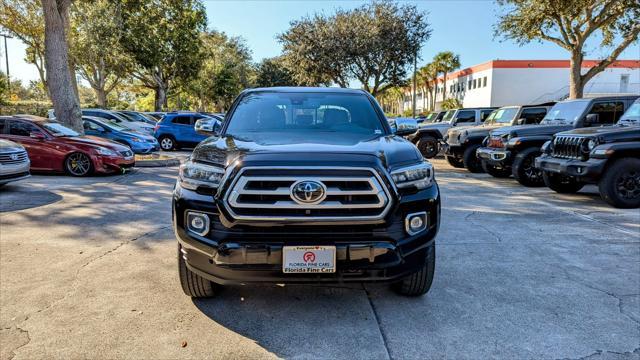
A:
(429, 135)
(461, 143)
(512, 150)
(607, 156)
(305, 185)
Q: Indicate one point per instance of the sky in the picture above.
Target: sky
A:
(464, 27)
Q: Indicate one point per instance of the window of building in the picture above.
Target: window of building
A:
(474, 83)
(469, 85)
(484, 81)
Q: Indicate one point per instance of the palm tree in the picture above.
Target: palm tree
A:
(427, 76)
(445, 62)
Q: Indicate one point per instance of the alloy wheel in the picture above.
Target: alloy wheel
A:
(628, 185)
(78, 164)
(166, 144)
(530, 171)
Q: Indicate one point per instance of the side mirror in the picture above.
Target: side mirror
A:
(37, 135)
(591, 119)
(207, 127)
(406, 126)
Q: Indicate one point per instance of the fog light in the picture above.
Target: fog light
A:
(197, 223)
(415, 223)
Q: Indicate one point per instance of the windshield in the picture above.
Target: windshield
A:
(447, 116)
(631, 116)
(303, 113)
(502, 116)
(113, 126)
(57, 129)
(565, 112)
(431, 116)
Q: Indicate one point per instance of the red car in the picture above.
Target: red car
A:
(53, 147)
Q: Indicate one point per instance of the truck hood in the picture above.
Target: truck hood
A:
(530, 130)
(607, 133)
(390, 150)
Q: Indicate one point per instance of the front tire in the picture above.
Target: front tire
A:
(428, 146)
(455, 162)
(78, 164)
(419, 282)
(524, 169)
(495, 171)
(620, 185)
(471, 161)
(193, 284)
(562, 184)
(167, 143)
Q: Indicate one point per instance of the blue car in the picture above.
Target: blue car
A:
(138, 142)
(175, 130)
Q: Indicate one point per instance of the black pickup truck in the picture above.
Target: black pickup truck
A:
(512, 150)
(305, 185)
(461, 143)
(607, 156)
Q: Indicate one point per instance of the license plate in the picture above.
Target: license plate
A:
(308, 259)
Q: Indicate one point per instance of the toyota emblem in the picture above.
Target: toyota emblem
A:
(308, 192)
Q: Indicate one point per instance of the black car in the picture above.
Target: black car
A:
(607, 156)
(461, 143)
(512, 150)
(306, 185)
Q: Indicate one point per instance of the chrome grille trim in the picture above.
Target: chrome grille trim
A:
(238, 187)
(5, 158)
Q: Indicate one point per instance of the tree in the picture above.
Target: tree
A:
(226, 70)
(59, 74)
(163, 38)
(375, 44)
(23, 19)
(451, 103)
(97, 46)
(570, 24)
(273, 72)
(428, 76)
(445, 62)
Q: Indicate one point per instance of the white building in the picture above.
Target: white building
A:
(515, 82)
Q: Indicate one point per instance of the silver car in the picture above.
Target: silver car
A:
(14, 162)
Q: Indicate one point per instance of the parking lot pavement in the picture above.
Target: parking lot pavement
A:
(88, 269)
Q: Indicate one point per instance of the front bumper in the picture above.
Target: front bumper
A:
(248, 254)
(586, 171)
(145, 148)
(9, 173)
(495, 156)
(109, 164)
(455, 149)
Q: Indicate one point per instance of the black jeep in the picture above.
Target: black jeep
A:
(512, 150)
(607, 156)
(429, 135)
(461, 143)
(305, 185)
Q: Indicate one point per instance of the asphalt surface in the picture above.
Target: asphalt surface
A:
(88, 270)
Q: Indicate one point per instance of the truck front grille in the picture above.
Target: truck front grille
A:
(13, 158)
(568, 147)
(266, 194)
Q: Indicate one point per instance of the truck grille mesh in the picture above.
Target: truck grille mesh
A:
(568, 147)
(266, 194)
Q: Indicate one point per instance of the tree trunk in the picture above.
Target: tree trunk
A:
(101, 96)
(59, 76)
(576, 86)
(161, 97)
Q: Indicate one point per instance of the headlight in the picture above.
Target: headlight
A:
(106, 152)
(135, 139)
(420, 176)
(591, 144)
(194, 174)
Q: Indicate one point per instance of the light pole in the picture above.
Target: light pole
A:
(415, 90)
(6, 59)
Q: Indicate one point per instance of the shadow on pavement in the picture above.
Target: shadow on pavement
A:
(300, 321)
(13, 199)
